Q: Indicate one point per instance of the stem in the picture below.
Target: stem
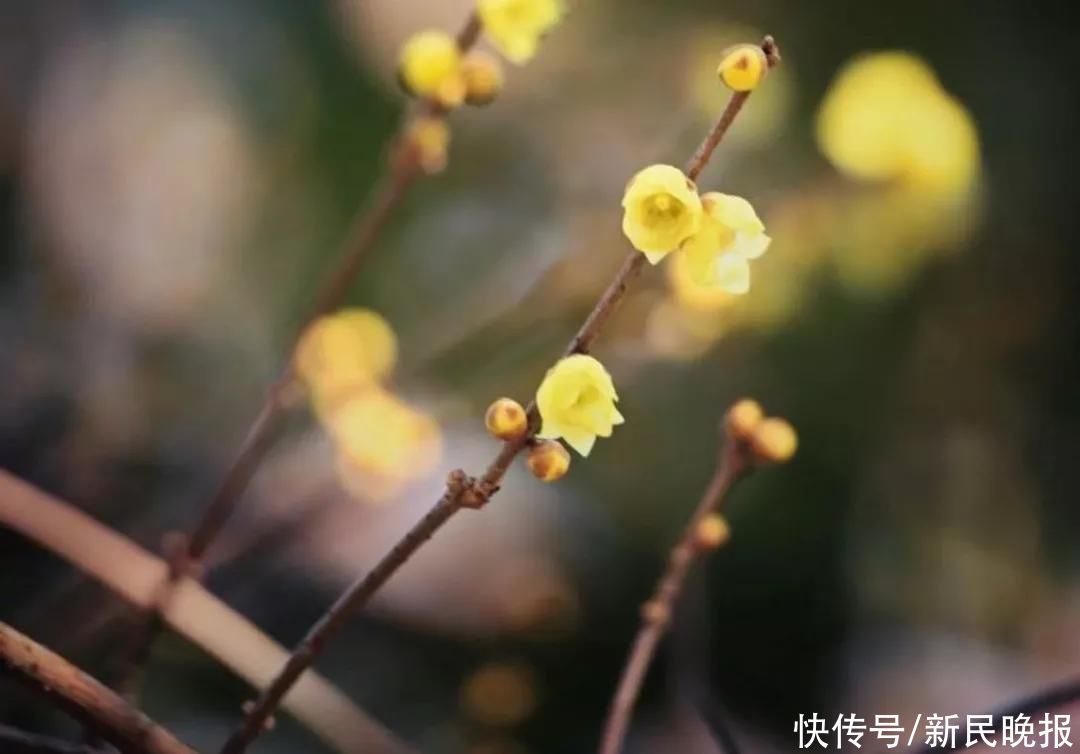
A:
(15, 741)
(365, 229)
(88, 701)
(461, 491)
(1041, 701)
(733, 463)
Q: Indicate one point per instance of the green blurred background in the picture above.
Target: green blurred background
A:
(176, 177)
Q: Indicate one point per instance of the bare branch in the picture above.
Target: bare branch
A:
(194, 613)
(88, 701)
(733, 462)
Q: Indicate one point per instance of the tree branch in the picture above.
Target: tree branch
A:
(733, 462)
(194, 613)
(365, 229)
(461, 491)
(88, 701)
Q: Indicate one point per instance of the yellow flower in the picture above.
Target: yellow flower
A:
(743, 67)
(430, 66)
(731, 234)
(378, 433)
(886, 117)
(661, 209)
(577, 403)
(351, 348)
(516, 26)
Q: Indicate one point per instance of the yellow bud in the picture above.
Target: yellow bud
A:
(429, 138)
(774, 441)
(483, 77)
(548, 461)
(506, 419)
(451, 92)
(428, 61)
(712, 532)
(743, 67)
(743, 418)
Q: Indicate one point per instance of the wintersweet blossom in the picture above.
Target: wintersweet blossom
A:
(731, 234)
(661, 209)
(378, 433)
(430, 66)
(576, 401)
(349, 349)
(887, 117)
(516, 26)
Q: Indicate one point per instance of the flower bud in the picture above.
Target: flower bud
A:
(743, 67)
(774, 441)
(743, 418)
(483, 77)
(506, 419)
(711, 532)
(430, 62)
(429, 140)
(548, 460)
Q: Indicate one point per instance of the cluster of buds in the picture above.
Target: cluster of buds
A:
(770, 439)
(436, 67)
(576, 403)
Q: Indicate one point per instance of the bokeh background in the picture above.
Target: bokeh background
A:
(176, 177)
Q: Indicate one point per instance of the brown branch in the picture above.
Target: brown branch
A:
(88, 701)
(15, 741)
(461, 491)
(365, 229)
(734, 461)
(194, 613)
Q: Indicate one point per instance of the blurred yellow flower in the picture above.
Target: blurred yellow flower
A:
(378, 433)
(886, 117)
(729, 237)
(661, 209)
(430, 66)
(577, 403)
(743, 67)
(348, 349)
(516, 26)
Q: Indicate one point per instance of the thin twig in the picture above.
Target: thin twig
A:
(365, 229)
(733, 462)
(461, 491)
(15, 741)
(1045, 700)
(88, 701)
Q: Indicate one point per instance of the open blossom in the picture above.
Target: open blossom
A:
(348, 349)
(731, 234)
(430, 66)
(516, 26)
(576, 401)
(661, 209)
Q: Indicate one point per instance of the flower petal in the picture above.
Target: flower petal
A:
(732, 273)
